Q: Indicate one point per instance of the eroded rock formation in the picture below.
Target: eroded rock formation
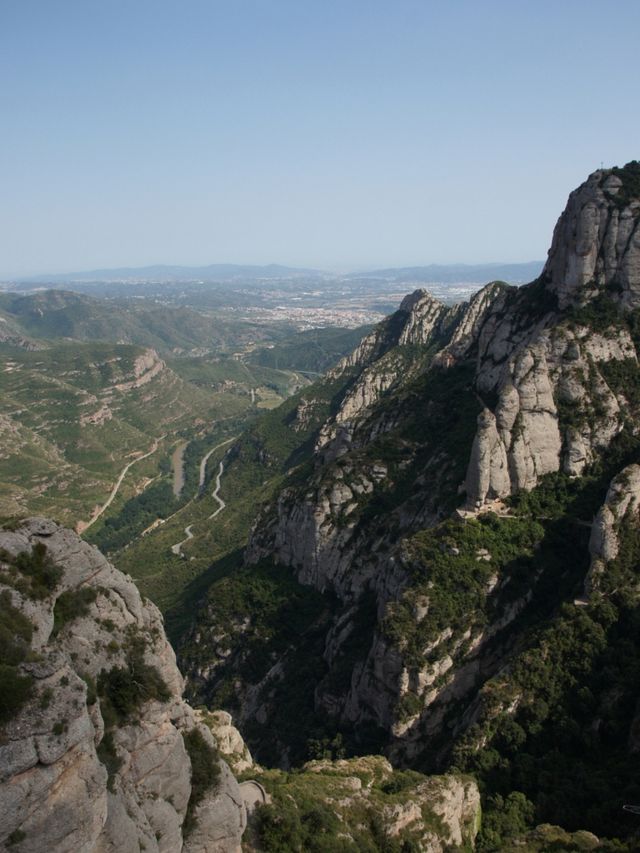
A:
(96, 756)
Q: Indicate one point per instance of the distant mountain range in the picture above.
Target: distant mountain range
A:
(445, 273)
(161, 272)
(450, 273)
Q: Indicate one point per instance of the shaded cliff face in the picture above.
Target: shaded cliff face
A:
(98, 751)
(443, 516)
(96, 743)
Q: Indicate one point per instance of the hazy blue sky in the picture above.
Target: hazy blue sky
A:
(334, 133)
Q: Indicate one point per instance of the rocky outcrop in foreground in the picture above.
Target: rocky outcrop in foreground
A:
(358, 802)
(100, 754)
(98, 751)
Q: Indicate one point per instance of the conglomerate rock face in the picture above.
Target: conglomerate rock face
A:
(546, 364)
(73, 778)
(621, 507)
(537, 355)
(523, 437)
(597, 241)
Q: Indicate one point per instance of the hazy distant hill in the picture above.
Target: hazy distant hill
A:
(482, 273)
(162, 272)
(56, 314)
(513, 273)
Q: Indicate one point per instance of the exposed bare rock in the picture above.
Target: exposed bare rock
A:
(469, 319)
(11, 336)
(434, 814)
(220, 819)
(421, 319)
(372, 384)
(53, 782)
(228, 739)
(487, 476)
(424, 316)
(621, 505)
(596, 243)
(553, 369)
(145, 368)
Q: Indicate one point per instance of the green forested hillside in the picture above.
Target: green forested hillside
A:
(447, 564)
(313, 351)
(53, 314)
(73, 415)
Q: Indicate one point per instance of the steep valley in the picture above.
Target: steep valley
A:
(422, 581)
(73, 415)
(413, 583)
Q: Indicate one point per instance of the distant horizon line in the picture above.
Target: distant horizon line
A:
(272, 266)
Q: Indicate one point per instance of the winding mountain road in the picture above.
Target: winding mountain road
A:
(81, 526)
(205, 459)
(177, 548)
(215, 494)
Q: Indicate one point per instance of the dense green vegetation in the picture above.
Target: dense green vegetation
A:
(280, 619)
(238, 375)
(15, 638)
(271, 445)
(429, 428)
(451, 566)
(123, 689)
(555, 727)
(157, 501)
(72, 604)
(205, 773)
(55, 314)
(76, 417)
(313, 351)
(630, 177)
(34, 573)
(316, 809)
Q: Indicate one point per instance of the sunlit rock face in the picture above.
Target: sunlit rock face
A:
(70, 778)
(596, 242)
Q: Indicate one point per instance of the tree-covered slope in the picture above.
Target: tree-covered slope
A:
(422, 580)
(171, 330)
